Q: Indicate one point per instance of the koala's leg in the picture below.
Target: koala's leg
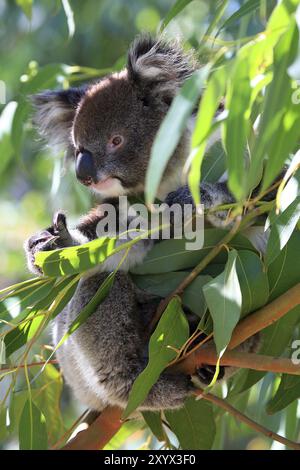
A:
(109, 351)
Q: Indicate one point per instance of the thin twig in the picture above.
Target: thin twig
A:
(32, 364)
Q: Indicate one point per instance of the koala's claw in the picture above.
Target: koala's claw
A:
(206, 373)
(52, 238)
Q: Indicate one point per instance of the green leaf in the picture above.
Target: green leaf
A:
(171, 332)
(60, 295)
(47, 395)
(288, 391)
(282, 228)
(203, 127)
(32, 428)
(193, 424)
(154, 422)
(178, 6)
(171, 255)
(39, 78)
(253, 281)
(2, 352)
(275, 339)
(282, 272)
(6, 145)
(26, 6)
(70, 17)
(236, 126)
(224, 300)
(80, 258)
(213, 166)
(246, 9)
(20, 117)
(163, 284)
(27, 296)
(90, 308)
(171, 130)
(280, 117)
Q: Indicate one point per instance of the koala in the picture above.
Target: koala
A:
(108, 128)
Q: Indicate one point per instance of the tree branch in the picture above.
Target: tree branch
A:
(265, 316)
(100, 431)
(207, 355)
(241, 417)
(248, 327)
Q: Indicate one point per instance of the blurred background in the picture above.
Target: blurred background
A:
(46, 44)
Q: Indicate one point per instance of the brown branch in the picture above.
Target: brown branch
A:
(100, 431)
(208, 355)
(248, 327)
(265, 316)
(244, 419)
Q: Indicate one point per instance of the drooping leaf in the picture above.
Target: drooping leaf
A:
(288, 391)
(178, 6)
(171, 332)
(282, 228)
(246, 9)
(154, 422)
(60, 295)
(27, 296)
(193, 424)
(47, 396)
(224, 300)
(6, 122)
(279, 117)
(70, 17)
(171, 130)
(32, 428)
(282, 272)
(203, 127)
(253, 281)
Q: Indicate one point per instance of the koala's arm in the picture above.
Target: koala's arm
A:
(58, 235)
(211, 194)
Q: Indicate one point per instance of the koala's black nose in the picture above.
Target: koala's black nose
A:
(85, 167)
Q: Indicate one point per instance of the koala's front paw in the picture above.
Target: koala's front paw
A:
(206, 373)
(54, 237)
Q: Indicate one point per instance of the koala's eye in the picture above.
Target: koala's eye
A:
(115, 142)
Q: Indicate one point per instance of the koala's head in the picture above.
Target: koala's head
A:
(109, 126)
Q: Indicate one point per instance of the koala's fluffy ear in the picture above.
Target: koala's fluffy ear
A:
(54, 112)
(159, 67)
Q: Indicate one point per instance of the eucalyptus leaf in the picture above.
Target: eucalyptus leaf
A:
(224, 299)
(193, 424)
(163, 284)
(171, 332)
(282, 228)
(172, 129)
(32, 428)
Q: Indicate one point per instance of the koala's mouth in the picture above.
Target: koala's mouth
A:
(109, 186)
